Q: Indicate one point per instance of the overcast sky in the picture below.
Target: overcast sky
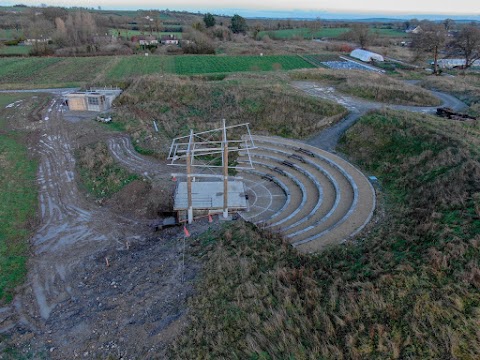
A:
(453, 7)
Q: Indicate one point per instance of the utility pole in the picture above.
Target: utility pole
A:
(189, 178)
(225, 172)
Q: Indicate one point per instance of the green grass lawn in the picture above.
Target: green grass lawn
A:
(18, 199)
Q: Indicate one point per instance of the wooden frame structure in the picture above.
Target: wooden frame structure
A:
(210, 150)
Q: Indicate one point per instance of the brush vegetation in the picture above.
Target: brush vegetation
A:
(408, 290)
(18, 201)
(464, 86)
(178, 104)
(370, 86)
(99, 173)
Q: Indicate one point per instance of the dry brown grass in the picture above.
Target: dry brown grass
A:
(178, 104)
(370, 86)
(408, 290)
(99, 173)
(465, 86)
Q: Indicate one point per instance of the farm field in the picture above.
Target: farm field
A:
(15, 50)
(187, 65)
(55, 72)
(10, 34)
(65, 72)
(322, 33)
(303, 33)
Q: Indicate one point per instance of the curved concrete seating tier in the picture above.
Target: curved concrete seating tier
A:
(329, 200)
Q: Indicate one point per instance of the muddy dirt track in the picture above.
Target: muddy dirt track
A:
(99, 283)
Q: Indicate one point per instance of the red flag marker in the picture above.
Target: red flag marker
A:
(174, 178)
(210, 218)
(185, 231)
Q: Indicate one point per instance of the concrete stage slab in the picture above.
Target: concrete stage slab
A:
(208, 195)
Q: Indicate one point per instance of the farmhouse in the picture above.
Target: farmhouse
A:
(92, 100)
(366, 56)
(36, 41)
(169, 40)
(414, 30)
(145, 39)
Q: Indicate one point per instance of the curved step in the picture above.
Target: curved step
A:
(298, 191)
(337, 211)
(355, 196)
(259, 153)
(263, 216)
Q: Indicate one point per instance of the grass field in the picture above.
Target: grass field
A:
(141, 65)
(186, 65)
(55, 72)
(18, 199)
(407, 290)
(15, 50)
(305, 33)
(302, 33)
(10, 34)
(64, 72)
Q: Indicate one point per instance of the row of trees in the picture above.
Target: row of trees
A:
(434, 38)
(238, 23)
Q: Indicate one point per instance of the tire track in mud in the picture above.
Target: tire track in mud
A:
(122, 150)
(73, 234)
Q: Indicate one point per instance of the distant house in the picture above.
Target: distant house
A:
(145, 39)
(366, 56)
(414, 30)
(36, 41)
(169, 40)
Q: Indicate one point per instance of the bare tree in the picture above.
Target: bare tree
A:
(467, 43)
(361, 34)
(449, 24)
(431, 39)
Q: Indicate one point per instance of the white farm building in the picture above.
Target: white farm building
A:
(366, 56)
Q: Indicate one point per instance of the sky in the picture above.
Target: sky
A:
(387, 7)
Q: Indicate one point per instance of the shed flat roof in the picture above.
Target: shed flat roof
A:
(209, 195)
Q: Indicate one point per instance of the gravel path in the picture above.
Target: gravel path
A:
(328, 138)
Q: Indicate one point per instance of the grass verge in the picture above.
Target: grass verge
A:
(18, 202)
(407, 290)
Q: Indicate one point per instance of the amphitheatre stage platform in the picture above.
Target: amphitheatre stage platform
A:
(208, 195)
(313, 197)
